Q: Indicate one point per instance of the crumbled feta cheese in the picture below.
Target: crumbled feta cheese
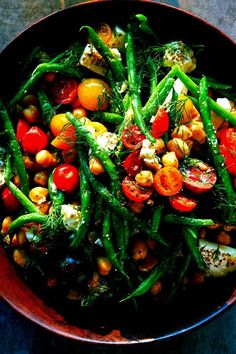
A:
(224, 102)
(180, 88)
(70, 216)
(107, 141)
(93, 61)
(148, 149)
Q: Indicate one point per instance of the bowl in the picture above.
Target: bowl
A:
(117, 328)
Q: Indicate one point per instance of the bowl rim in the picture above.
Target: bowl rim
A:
(64, 329)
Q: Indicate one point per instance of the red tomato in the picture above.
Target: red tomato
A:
(134, 192)
(182, 203)
(93, 94)
(64, 91)
(168, 181)
(161, 123)
(10, 202)
(230, 159)
(66, 177)
(34, 140)
(132, 137)
(76, 103)
(199, 178)
(228, 138)
(133, 163)
(21, 129)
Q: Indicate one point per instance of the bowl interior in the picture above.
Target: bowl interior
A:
(190, 311)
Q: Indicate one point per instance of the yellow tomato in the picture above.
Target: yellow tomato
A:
(94, 94)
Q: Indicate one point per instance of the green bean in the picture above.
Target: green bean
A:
(153, 75)
(146, 28)
(108, 117)
(212, 83)
(101, 154)
(191, 239)
(46, 108)
(86, 211)
(24, 201)
(156, 220)
(37, 74)
(215, 151)
(185, 220)
(133, 85)
(214, 106)
(115, 64)
(15, 149)
(25, 219)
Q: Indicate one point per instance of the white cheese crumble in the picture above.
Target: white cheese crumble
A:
(71, 216)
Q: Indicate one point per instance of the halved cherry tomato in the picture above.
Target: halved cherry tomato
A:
(230, 159)
(93, 94)
(132, 137)
(228, 138)
(168, 181)
(133, 163)
(34, 140)
(66, 177)
(10, 202)
(64, 91)
(182, 203)
(134, 192)
(21, 129)
(199, 178)
(161, 123)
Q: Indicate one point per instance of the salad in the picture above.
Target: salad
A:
(118, 169)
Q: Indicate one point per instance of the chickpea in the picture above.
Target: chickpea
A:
(153, 163)
(104, 265)
(160, 146)
(170, 159)
(19, 238)
(182, 132)
(96, 166)
(30, 100)
(144, 178)
(45, 159)
(29, 163)
(79, 112)
(41, 178)
(198, 132)
(38, 195)
(136, 207)
(179, 146)
(31, 113)
(139, 250)
(156, 288)
(19, 257)
(223, 238)
(148, 264)
(6, 224)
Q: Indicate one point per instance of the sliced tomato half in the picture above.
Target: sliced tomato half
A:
(64, 91)
(133, 163)
(132, 137)
(199, 178)
(168, 181)
(134, 192)
(182, 203)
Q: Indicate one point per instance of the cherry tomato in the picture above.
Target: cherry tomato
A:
(104, 32)
(199, 178)
(230, 159)
(79, 112)
(64, 91)
(182, 203)
(228, 138)
(34, 140)
(134, 192)
(10, 202)
(132, 137)
(59, 122)
(94, 94)
(21, 129)
(76, 103)
(168, 181)
(66, 177)
(161, 123)
(133, 163)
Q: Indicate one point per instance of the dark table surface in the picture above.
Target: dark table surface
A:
(17, 334)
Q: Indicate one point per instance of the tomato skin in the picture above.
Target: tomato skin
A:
(228, 138)
(199, 178)
(132, 137)
(58, 122)
(134, 192)
(64, 132)
(10, 202)
(230, 159)
(168, 181)
(66, 177)
(182, 203)
(21, 129)
(161, 123)
(34, 140)
(93, 94)
(133, 163)
(64, 91)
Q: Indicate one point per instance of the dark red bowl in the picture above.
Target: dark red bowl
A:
(218, 59)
